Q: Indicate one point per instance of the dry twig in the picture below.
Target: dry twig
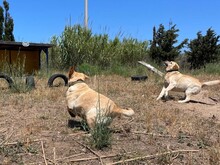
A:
(3, 130)
(153, 134)
(78, 133)
(54, 155)
(13, 143)
(92, 158)
(44, 156)
(152, 156)
(61, 159)
(7, 138)
(92, 152)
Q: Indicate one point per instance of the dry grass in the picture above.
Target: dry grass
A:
(36, 128)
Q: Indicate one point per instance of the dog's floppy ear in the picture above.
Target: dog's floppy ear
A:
(176, 67)
(71, 71)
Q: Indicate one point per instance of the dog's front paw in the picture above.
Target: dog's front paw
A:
(158, 98)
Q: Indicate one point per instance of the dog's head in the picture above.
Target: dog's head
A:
(74, 76)
(171, 66)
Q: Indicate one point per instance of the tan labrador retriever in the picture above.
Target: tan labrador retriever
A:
(176, 81)
(88, 104)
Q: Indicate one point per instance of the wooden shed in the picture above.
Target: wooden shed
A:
(29, 52)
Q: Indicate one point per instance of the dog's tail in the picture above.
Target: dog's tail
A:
(210, 83)
(127, 112)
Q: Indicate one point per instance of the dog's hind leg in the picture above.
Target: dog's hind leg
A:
(187, 99)
(189, 92)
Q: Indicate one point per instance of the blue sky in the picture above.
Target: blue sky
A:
(39, 20)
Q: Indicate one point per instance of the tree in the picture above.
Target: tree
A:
(203, 49)
(6, 23)
(1, 22)
(163, 44)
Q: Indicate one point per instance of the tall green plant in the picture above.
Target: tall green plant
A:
(78, 45)
(132, 51)
(101, 135)
(72, 46)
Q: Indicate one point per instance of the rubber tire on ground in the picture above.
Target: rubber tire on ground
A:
(30, 82)
(7, 78)
(138, 78)
(53, 77)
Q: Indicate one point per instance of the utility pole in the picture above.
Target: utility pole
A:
(86, 14)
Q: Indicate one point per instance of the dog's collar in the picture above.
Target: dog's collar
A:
(173, 70)
(75, 82)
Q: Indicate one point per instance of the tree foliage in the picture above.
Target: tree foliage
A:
(163, 44)
(6, 23)
(203, 49)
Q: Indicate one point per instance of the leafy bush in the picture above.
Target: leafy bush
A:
(72, 47)
(78, 45)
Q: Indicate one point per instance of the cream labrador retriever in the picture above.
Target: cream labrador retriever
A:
(88, 104)
(176, 81)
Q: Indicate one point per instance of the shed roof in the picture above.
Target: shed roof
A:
(11, 45)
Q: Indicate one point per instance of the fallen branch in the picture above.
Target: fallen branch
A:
(152, 156)
(153, 69)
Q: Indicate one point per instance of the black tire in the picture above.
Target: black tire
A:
(53, 77)
(138, 78)
(8, 79)
(30, 82)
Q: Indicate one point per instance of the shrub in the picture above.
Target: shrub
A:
(101, 135)
(78, 45)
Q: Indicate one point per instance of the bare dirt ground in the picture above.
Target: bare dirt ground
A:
(35, 127)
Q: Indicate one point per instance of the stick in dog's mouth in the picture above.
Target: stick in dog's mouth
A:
(166, 63)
